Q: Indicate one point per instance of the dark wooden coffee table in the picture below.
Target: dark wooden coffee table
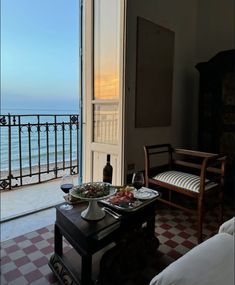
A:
(89, 238)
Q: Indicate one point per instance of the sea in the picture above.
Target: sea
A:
(45, 142)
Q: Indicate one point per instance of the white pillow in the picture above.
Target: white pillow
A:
(228, 227)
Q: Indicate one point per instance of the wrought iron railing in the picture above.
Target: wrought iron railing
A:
(37, 148)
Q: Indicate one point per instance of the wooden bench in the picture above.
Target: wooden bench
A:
(195, 174)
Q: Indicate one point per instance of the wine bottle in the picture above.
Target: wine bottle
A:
(108, 171)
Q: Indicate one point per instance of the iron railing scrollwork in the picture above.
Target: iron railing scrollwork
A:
(37, 148)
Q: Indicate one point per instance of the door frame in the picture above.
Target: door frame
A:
(88, 145)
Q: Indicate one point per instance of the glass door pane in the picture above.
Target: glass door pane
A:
(105, 123)
(106, 49)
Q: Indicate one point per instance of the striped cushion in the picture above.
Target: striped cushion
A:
(183, 180)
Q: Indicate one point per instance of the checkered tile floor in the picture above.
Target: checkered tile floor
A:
(176, 230)
(24, 259)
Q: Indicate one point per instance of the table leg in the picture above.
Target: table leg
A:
(58, 241)
(86, 270)
(57, 264)
(151, 225)
(153, 241)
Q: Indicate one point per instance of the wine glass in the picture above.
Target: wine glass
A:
(66, 185)
(138, 179)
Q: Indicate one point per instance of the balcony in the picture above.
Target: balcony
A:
(36, 150)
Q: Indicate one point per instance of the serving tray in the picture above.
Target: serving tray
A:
(131, 207)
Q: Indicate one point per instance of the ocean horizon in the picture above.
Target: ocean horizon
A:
(49, 151)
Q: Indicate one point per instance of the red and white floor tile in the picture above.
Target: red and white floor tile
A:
(24, 259)
(177, 233)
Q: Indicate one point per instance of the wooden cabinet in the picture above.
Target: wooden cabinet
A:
(216, 129)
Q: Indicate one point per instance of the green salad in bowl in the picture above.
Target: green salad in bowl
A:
(93, 190)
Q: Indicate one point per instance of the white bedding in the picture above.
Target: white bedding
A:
(228, 227)
(209, 263)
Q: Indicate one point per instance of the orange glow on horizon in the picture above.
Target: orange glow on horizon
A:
(106, 86)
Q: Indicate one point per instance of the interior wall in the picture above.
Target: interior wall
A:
(215, 32)
(180, 17)
(215, 28)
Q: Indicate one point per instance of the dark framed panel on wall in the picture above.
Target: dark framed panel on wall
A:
(154, 74)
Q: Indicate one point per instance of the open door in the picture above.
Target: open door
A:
(103, 88)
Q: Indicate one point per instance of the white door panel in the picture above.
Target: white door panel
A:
(103, 95)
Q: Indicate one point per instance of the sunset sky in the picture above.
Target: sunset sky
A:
(106, 49)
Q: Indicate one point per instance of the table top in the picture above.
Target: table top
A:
(86, 228)
(90, 236)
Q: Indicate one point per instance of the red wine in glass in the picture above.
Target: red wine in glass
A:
(66, 185)
(138, 185)
(138, 180)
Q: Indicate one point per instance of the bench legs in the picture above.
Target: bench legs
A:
(200, 213)
(221, 210)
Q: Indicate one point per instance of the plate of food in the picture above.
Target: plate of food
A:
(93, 192)
(128, 198)
(124, 197)
(145, 193)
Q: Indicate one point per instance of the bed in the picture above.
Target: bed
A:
(209, 263)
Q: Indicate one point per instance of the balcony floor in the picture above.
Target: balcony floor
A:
(16, 206)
